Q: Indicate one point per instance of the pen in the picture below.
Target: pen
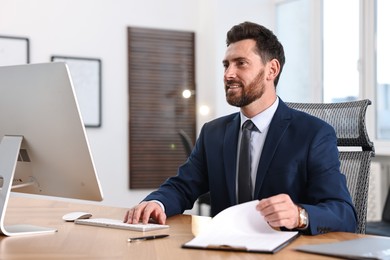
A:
(135, 239)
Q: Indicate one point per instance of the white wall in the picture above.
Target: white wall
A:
(97, 29)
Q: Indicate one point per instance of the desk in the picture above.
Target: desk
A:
(86, 242)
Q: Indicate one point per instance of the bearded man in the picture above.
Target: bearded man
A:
(284, 158)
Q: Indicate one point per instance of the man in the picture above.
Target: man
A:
(294, 168)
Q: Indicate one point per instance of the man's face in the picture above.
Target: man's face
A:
(244, 73)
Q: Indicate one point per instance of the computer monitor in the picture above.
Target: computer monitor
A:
(44, 148)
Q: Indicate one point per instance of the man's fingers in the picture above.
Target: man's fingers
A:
(148, 211)
(133, 215)
(143, 212)
(279, 211)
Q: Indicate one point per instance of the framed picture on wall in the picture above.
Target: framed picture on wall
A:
(14, 50)
(87, 80)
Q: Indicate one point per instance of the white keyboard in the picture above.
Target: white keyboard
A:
(115, 223)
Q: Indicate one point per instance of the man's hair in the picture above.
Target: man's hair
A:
(267, 44)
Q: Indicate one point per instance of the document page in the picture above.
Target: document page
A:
(241, 227)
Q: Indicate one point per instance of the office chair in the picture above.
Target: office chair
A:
(187, 143)
(348, 120)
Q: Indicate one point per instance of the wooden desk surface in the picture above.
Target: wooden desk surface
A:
(86, 242)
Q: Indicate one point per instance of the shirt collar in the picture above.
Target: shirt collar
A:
(263, 119)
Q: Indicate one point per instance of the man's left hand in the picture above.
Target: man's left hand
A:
(279, 211)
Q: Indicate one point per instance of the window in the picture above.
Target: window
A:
(338, 51)
(341, 50)
(383, 70)
(301, 26)
(294, 27)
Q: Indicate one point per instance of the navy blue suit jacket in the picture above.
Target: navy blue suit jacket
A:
(299, 158)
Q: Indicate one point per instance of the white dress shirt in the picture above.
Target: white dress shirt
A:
(262, 122)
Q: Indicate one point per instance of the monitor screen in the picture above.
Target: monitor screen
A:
(37, 103)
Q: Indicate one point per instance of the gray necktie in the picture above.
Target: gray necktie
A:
(244, 164)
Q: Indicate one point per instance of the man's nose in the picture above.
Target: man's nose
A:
(230, 72)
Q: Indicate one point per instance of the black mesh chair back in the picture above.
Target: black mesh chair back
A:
(186, 141)
(356, 149)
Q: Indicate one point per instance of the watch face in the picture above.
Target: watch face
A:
(302, 218)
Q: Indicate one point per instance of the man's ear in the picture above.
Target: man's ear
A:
(273, 69)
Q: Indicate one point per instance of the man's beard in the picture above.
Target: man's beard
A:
(250, 93)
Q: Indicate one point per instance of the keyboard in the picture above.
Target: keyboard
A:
(115, 223)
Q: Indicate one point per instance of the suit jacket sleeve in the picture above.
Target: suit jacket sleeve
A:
(179, 193)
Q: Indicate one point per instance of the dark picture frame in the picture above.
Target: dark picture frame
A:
(14, 50)
(86, 76)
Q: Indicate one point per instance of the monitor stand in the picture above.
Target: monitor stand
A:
(9, 152)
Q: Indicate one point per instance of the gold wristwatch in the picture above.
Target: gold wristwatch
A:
(303, 219)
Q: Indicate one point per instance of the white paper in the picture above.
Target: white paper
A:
(241, 227)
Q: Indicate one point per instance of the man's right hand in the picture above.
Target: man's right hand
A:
(144, 211)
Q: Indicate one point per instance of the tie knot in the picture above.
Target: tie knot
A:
(248, 124)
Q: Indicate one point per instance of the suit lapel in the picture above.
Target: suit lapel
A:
(230, 144)
(277, 128)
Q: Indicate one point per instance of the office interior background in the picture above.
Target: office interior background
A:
(329, 58)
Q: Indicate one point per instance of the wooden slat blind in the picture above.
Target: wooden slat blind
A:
(160, 66)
